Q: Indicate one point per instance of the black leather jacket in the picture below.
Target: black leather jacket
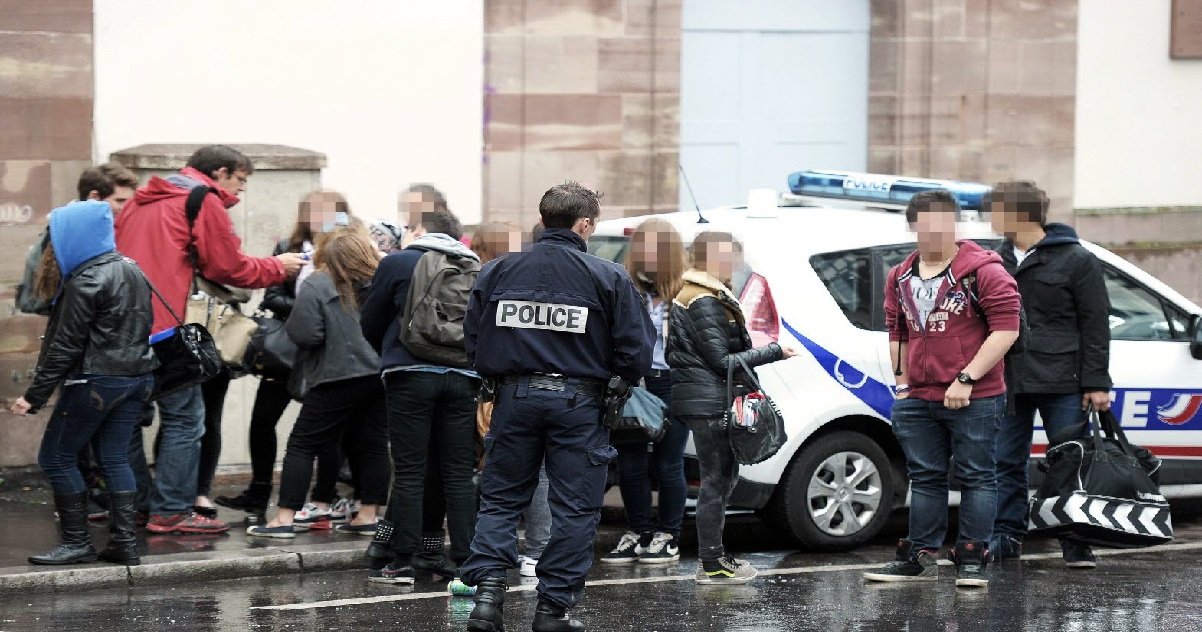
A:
(707, 332)
(280, 298)
(99, 326)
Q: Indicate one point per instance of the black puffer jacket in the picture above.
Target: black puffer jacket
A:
(99, 326)
(707, 332)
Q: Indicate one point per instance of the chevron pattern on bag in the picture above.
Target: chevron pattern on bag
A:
(1150, 519)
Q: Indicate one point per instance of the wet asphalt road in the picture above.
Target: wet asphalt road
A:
(1154, 589)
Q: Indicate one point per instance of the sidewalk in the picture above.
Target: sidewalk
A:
(27, 526)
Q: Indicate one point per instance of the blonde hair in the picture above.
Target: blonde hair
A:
(491, 240)
(349, 257)
(671, 261)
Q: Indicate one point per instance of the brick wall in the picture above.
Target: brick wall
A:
(581, 89)
(45, 141)
(980, 90)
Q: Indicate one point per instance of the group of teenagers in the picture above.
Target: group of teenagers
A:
(411, 428)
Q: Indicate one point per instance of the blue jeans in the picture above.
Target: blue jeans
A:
(538, 518)
(103, 411)
(667, 457)
(177, 463)
(931, 434)
(1062, 420)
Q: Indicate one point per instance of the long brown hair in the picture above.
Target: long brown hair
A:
(670, 260)
(350, 258)
(303, 231)
(47, 276)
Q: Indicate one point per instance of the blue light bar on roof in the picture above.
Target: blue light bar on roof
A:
(875, 187)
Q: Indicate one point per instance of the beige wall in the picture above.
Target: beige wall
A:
(45, 142)
(975, 90)
(583, 90)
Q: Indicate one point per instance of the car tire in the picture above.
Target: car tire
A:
(798, 514)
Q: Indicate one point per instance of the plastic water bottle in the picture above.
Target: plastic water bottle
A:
(460, 589)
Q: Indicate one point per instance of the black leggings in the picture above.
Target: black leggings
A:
(214, 392)
(354, 406)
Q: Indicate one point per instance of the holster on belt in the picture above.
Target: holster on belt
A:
(617, 391)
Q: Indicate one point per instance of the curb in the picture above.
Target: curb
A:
(159, 570)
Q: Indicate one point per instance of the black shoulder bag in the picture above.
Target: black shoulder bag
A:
(186, 358)
(754, 425)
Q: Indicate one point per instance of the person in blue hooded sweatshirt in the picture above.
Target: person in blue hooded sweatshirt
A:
(97, 347)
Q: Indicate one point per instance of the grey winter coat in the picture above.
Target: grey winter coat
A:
(332, 347)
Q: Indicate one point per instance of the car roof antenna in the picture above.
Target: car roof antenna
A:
(700, 218)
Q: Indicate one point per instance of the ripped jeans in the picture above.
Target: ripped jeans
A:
(99, 409)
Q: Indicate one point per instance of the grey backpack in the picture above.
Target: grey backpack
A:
(26, 301)
(432, 323)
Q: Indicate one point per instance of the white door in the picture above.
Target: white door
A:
(769, 87)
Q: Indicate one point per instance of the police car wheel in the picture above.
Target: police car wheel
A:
(837, 494)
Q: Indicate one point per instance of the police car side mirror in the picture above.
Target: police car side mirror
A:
(1195, 336)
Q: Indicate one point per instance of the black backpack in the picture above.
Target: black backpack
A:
(432, 323)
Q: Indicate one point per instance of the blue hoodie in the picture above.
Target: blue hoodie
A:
(79, 232)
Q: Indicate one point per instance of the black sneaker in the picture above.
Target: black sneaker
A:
(627, 551)
(913, 564)
(663, 549)
(1078, 554)
(971, 559)
(253, 500)
(394, 573)
(1007, 548)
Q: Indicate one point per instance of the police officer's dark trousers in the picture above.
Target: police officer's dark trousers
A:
(527, 424)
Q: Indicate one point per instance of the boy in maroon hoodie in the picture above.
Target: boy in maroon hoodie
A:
(952, 311)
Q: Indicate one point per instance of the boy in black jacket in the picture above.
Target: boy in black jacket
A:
(1065, 365)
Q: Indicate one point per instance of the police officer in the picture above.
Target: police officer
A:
(549, 327)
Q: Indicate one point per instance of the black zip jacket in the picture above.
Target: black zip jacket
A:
(99, 326)
(279, 298)
(1068, 309)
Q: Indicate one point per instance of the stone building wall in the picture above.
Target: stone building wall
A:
(581, 89)
(45, 142)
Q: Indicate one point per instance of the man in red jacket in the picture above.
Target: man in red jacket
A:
(153, 230)
(952, 311)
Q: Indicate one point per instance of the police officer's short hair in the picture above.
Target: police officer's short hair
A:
(1021, 197)
(937, 200)
(563, 204)
(442, 221)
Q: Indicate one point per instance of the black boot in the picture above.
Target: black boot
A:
(253, 500)
(75, 546)
(379, 552)
(489, 613)
(549, 617)
(432, 559)
(123, 543)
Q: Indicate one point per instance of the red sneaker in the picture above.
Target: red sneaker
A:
(185, 523)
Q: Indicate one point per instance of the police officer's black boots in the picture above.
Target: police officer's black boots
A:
(489, 613)
(75, 546)
(549, 617)
(123, 543)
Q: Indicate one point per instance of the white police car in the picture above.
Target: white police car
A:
(815, 268)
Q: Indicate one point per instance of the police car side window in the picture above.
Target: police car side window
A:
(1138, 314)
(848, 277)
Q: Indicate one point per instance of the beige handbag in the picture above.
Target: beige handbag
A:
(230, 328)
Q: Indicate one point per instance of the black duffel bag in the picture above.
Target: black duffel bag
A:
(187, 358)
(271, 353)
(1102, 490)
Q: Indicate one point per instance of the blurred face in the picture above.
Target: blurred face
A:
(416, 202)
(233, 183)
(721, 259)
(935, 228)
(320, 213)
(1008, 223)
(649, 250)
(117, 200)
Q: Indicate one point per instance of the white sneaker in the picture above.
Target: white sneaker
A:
(662, 550)
(527, 567)
(312, 517)
(340, 511)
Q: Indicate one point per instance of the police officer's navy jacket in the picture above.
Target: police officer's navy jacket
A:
(557, 309)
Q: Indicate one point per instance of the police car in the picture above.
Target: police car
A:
(815, 265)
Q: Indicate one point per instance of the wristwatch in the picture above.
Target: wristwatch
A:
(965, 378)
(901, 389)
